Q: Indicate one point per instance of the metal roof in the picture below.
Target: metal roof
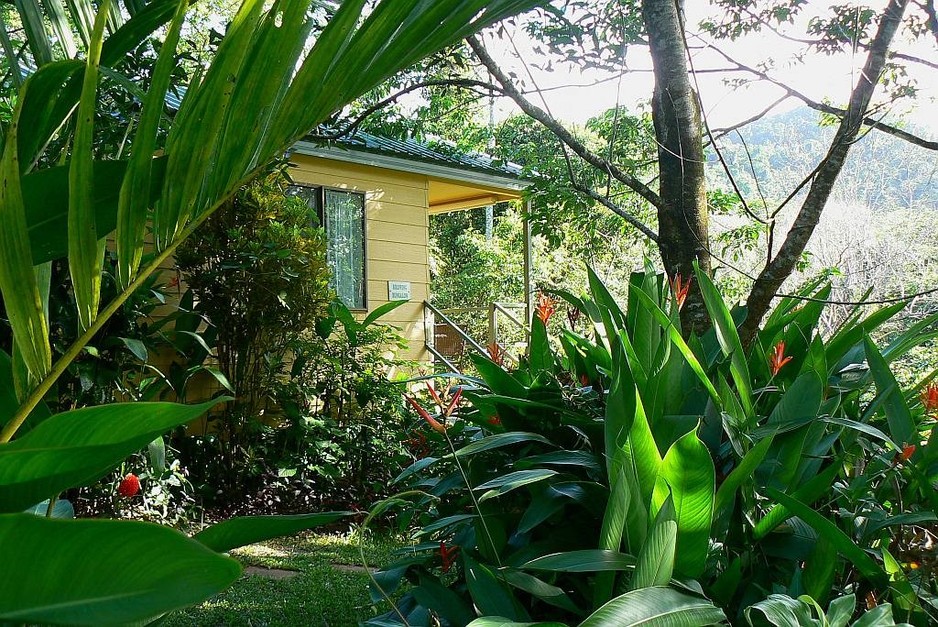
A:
(410, 155)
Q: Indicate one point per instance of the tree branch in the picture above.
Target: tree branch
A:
(535, 112)
(616, 209)
(780, 268)
(826, 108)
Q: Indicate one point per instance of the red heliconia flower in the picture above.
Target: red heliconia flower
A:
(680, 289)
(584, 380)
(436, 397)
(430, 420)
(778, 359)
(930, 398)
(129, 485)
(418, 445)
(453, 403)
(906, 453)
(448, 555)
(495, 421)
(545, 307)
(497, 353)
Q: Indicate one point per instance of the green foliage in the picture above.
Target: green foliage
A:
(694, 473)
(258, 275)
(264, 90)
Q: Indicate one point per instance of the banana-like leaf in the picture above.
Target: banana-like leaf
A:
(79, 446)
(489, 595)
(63, 30)
(85, 245)
(37, 39)
(244, 530)
(512, 481)
(656, 561)
(499, 440)
(583, 561)
(102, 572)
(20, 290)
(844, 545)
(898, 416)
(726, 494)
(728, 338)
(687, 473)
(135, 188)
(656, 607)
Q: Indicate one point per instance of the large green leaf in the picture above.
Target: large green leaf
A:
(844, 545)
(898, 416)
(102, 572)
(655, 607)
(583, 561)
(85, 244)
(499, 440)
(489, 595)
(135, 187)
(45, 195)
(244, 530)
(687, 473)
(656, 560)
(18, 286)
(73, 448)
(728, 338)
(513, 481)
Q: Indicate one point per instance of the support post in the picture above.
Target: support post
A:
(528, 265)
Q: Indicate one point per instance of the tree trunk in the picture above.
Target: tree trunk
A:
(780, 268)
(683, 221)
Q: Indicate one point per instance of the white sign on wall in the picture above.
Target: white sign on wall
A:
(398, 290)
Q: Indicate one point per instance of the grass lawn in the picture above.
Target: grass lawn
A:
(321, 595)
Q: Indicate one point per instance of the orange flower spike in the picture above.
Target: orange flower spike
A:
(436, 397)
(496, 353)
(680, 289)
(430, 420)
(545, 308)
(778, 358)
(448, 555)
(907, 452)
(454, 402)
(930, 398)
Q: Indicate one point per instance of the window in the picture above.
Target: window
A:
(342, 215)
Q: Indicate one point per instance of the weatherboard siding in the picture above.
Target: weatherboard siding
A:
(397, 231)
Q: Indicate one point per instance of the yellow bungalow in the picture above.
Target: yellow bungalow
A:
(374, 197)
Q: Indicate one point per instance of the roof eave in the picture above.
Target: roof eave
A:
(400, 164)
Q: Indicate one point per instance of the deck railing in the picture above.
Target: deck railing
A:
(453, 333)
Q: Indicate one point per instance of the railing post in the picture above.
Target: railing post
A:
(528, 265)
(493, 324)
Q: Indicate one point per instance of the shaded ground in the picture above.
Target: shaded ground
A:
(329, 589)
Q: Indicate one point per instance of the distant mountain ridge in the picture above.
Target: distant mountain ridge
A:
(882, 172)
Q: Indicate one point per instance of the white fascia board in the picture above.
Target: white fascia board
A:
(402, 164)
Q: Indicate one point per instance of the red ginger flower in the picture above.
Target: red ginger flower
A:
(129, 486)
(448, 555)
(545, 307)
(430, 420)
(680, 289)
(778, 358)
(906, 453)
(497, 353)
(495, 421)
(930, 398)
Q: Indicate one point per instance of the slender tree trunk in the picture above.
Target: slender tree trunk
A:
(683, 222)
(780, 268)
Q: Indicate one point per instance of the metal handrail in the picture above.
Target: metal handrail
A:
(501, 307)
(465, 336)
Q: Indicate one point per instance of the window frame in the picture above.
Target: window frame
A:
(320, 216)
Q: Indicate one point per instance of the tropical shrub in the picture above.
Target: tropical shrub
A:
(635, 475)
(258, 277)
(263, 91)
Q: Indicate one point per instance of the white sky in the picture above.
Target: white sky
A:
(820, 77)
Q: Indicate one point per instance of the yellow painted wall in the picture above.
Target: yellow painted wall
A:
(397, 230)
